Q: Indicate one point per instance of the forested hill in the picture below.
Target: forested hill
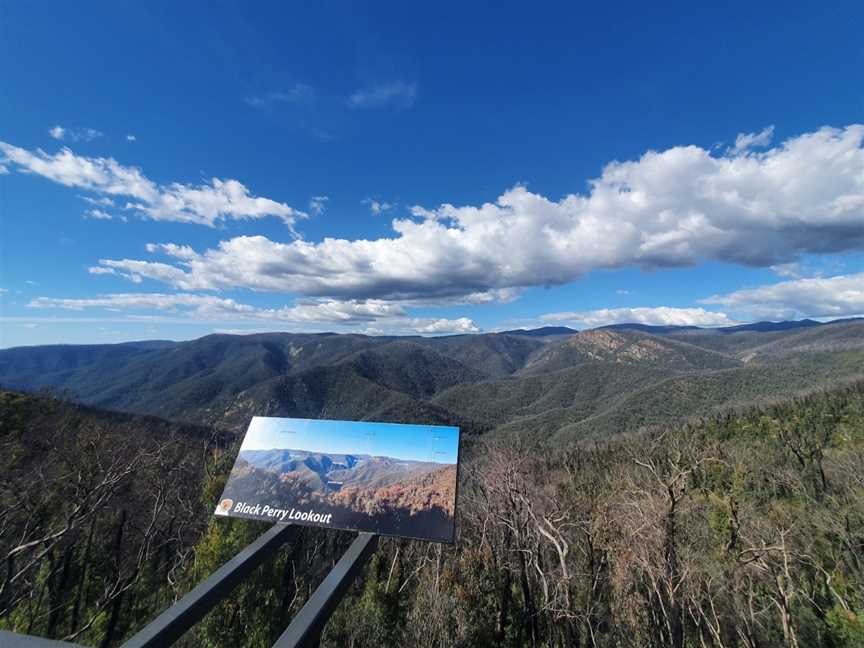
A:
(552, 382)
(746, 529)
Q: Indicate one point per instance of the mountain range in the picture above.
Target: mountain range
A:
(553, 382)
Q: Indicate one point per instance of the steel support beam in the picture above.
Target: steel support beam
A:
(305, 630)
(169, 626)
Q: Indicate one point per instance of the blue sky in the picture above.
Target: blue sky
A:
(172, 171)
(413, 442)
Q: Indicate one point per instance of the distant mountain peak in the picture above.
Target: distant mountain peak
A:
(543, 331)
(760, 327)
(656, 329)
(764, 327)
(605, 339)
(599, 344)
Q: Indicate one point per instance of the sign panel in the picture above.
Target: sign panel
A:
(384, 478)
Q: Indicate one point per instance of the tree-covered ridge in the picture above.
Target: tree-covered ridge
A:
(563, 387)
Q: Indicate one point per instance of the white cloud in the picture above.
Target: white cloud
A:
(377, 206)
(131, 138)
(339, 311)
(746, 141)
(443, 326)
(397, 94)
(494, 295)
(309, 313)
(206, 204)
(99, 202)
(97, 214)
(299, 94)
(656, 316)
(136, 271)
(242, 331)
(211, 307)
(75, 134)
(673, 208)
(790, 270)
(839, 296)
(3, 169)
(317, 204)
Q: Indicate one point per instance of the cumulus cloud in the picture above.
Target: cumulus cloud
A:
(340, 311)
(101, 271)
(839, 296)
(746, 141)
(396, 94)
(439, 326)
(673, 208)
(391, 317)
(104, 201)
(75, 134)
(97, 214)
(377, 206)
(131, 138)
(655, 316)
(206, 204)
(137, 271)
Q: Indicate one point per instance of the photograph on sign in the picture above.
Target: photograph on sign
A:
(384, 478)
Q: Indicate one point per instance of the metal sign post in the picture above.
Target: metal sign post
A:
(174, 622)
(306, 628)
(169, 626)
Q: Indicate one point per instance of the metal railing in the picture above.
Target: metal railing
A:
(303, 632)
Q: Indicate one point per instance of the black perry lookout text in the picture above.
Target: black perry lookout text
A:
(282, 515)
